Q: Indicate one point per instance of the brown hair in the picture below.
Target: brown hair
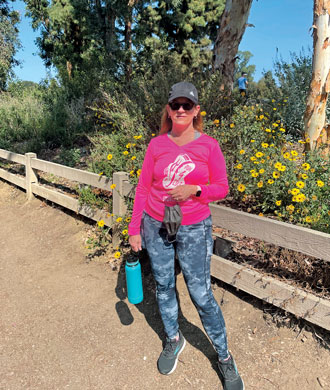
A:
(166, 122)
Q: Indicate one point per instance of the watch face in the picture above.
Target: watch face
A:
(198, 193)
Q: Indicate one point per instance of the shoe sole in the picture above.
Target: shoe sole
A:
(177, 357)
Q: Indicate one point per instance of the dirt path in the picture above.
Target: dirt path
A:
(66, 324)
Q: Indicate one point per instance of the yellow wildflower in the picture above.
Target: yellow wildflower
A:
(254, 174)
(128, 219)
(304, 176)
(253, 140)
(138, 172)
(133, 157)
(260, 214)
(253, 158)
(268, 130)
(131, 173)
(153, 134)
(301, 197)
(261, 170)
(260, 184)
(119, 219)
(259, 154)
(242, 151)
(277, 165)
(113, 186)
(125, 153)
(278, 203)
(264, 145)
(128, 145)
(117, 255)
(314, 197)
(203, 113)
(239, 166)
(101, 173)
(270, 181)
(290, 207)
(295, 191)
(101, 223)
(320, 183)
(241, 187)
(276, 175)
(286, 155)
(216, 121)
(282, 168)
(308, 219)
(109, 157)
(261, 117)
(232, 125)
(300, 184)
(124, 232)
(294, 153)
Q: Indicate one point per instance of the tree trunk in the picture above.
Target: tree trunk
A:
(232, 26)
(110, 20)
(128, 39)
(315, 114)
(99, 13)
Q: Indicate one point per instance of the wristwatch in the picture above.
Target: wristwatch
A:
(199, 191)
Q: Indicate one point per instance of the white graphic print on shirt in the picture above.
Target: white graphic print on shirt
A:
(177, 171)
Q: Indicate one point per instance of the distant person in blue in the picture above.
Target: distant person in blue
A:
(242, 84)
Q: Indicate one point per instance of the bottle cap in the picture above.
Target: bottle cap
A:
(133, 257)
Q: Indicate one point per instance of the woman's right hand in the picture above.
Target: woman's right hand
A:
(135, 242)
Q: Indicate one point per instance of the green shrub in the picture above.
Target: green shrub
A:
(268, 174)
(21, 121)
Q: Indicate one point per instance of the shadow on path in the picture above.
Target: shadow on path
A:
(149, 308)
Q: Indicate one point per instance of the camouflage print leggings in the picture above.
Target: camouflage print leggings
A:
(194, 248)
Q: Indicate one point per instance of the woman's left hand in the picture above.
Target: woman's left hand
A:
(183, 192)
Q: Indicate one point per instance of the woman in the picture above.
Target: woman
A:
(183, 166)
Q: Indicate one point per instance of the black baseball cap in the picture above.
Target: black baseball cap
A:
(183, 89)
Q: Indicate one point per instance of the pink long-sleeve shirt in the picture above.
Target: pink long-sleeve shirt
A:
(166, 166)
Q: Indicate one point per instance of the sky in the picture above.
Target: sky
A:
(281, 26)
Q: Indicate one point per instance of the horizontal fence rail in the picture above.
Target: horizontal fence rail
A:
(308, 241)
(287, 297)
(18, 158)
(73, 174)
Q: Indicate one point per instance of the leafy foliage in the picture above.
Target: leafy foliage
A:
(9, 42)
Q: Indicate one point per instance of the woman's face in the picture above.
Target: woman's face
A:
(182, 111)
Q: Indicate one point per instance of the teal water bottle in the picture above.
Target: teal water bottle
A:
(134, 279)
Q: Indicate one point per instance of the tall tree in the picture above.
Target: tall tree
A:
(185, 28)
(315, 114)
(78, 35)
(232, 27)
(9, 42)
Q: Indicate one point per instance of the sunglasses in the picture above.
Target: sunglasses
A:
(186, 106)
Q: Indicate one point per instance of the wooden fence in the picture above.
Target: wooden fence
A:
(310, 242)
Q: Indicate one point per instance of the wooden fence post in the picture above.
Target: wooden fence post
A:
(118, 203)
(30, 175)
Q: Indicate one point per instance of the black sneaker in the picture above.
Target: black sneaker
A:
(169, 357)
(230, 376)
